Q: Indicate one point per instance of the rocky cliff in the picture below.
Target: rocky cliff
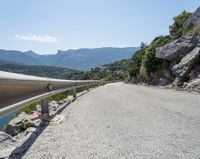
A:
(177, 61)
(183, 56)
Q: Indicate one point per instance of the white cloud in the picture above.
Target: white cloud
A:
(36, 38)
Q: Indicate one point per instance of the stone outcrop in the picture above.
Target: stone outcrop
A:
(183, 55)
(177, 49)
(182, 69)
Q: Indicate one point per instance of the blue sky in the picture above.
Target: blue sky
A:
(45, 26)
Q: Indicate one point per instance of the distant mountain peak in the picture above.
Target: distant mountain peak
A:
(80, 59)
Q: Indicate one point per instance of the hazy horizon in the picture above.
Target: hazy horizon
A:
(53, 53)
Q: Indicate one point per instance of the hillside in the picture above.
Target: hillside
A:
(81, 59)
(113, 71)
(42, 71)
(172, 60)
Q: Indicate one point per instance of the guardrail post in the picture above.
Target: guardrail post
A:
(45, 106)
(74, 93)
(87, 88)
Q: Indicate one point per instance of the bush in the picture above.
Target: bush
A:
(135, 63)
(177, 29)
(148, 60)
(96, 77)
(109, 77)
(29, 108)
(59, 96)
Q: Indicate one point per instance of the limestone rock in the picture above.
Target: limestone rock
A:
(30, 130)
(14, 126)
(4, 136)
(183, 69)
(53, 105)
(177, 49)
(177, 82)
(194, 85)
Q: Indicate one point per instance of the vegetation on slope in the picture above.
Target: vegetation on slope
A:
(145, 59)
(177, 29)
(109, 72)
(42, 71)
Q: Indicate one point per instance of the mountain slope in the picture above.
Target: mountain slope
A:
(42, 71)
(17, 57)
(81, 59)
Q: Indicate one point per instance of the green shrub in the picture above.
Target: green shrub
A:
(109, 77)
(135, 63)
(177, 29)
(29, 108)
(149, 60)
(59, 96)
(96, 77)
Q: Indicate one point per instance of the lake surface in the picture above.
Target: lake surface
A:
(5, 120)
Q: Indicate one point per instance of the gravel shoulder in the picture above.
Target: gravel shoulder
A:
(124, 121)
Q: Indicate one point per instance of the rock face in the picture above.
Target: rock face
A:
(182, 69)
(177, 49)
(183, 55)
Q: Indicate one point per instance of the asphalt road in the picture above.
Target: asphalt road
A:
(119, 121)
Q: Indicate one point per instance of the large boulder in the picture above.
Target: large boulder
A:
(177, 49)
(183, 68)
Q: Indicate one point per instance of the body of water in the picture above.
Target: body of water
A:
(5, 120)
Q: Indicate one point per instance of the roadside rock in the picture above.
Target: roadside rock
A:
(7, 144)
(177, 82)
(53, 105)
(22, 122)
(194, 85)
(177, 49)
(4, 136)
(14, 126)
(38, 108)
(183, 69)
(37, 123)
(30, 130)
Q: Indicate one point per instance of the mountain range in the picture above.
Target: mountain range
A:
(80, 59)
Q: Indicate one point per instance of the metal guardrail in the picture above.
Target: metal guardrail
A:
(17, 91)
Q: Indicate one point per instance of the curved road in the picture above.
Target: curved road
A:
(119, 121)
